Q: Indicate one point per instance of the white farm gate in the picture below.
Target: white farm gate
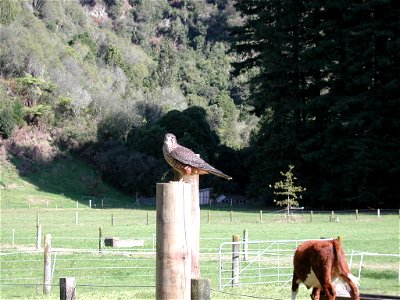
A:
(256, 262)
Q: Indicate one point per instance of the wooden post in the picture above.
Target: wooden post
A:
(112, 219)
(201, 289)
(173, 228)
(209, 217)
(311, 215)
(47, 264)
(245, 245)
(67, 288)
(147, 219)
(100, 239)
(195, 223)
(261, 216)
(235, 260)
(231, 216)
(38, 237)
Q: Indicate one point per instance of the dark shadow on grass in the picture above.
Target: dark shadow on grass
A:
(73, 178)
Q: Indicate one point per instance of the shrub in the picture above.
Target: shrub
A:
(7, 122)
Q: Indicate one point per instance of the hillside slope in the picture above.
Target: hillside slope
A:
(60, 182)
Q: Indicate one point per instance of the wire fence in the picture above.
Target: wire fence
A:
(129, 268)
(261, 263)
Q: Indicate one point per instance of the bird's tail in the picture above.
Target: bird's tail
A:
(220, 174)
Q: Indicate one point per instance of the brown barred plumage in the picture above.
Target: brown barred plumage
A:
(185, 161)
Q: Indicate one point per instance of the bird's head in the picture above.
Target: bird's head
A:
(170, 141)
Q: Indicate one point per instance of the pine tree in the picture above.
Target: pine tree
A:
(325, 86)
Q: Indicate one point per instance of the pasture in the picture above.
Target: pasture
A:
(130, 273)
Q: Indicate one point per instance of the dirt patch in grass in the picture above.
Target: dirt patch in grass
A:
(36, 201)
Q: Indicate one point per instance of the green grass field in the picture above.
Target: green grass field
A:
(131, 275)
(105, 276)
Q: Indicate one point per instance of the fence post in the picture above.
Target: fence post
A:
(112, 219)
(147, 219)
(356, 214)
(379, 212)
(67, 288)
(195, 223)
(235, 260)
(311, 216)
(201, 289)
(38, 237)
(245, 244)
(90, 203)
(261, 216)
(100, 239)
(173, 228)
(209, 217)
(47, 264)
(231, 216)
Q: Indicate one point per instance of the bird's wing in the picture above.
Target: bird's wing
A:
(188, 157)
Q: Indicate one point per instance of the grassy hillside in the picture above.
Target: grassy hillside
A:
(59, 183)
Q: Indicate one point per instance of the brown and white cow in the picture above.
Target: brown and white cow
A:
(319, 262)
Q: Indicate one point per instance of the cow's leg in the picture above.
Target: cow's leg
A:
(324, 277)
(295, 286)
(316, 292)
(354, 293)
(329, 291)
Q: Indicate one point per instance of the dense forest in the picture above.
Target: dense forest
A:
(252, 86)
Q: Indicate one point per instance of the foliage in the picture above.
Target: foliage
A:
(11, 110)
(130, 171)
(7, 121)
(287, 189)
(114, 56)
(85, 39)
(8, 12)
(164, 74)
(319, 87)
(32, 145)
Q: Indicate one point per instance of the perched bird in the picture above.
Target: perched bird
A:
(185, 161)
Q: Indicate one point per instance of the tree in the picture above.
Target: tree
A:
(7, 121)
(8, 12)
(287, 189)
(324, 100)
(166, 71)
(114, 57)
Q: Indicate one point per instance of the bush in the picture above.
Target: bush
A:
(33, 144)
(7, 122)
(126, 169)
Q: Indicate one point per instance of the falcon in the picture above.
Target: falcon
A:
(185, 161)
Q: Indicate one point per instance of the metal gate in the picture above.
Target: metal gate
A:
(257, 262)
